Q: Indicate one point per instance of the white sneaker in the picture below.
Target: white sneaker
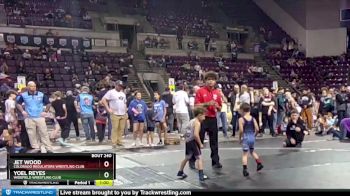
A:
(141, 144)
(150, 145)
(153, 145)
(133, 144)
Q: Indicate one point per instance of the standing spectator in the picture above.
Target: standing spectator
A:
(181, 102)
(179, 37)
(150, 125)
(159, 109)
(85, 108)
(101, 120)
(306, 103)
(234, 102)
(245, 96)
(168, 99)
(115, 103)
(210, 98)
(266, 117)
(35, 102)
(281, 107)
(24, 134)
(138, 109)
(72, 116)
(255, 110)
(341, 103)
(61, 114)
(10, 106)
(222, 115)
(206, 42)
(104, 89)
(128, 101)
(326, 102)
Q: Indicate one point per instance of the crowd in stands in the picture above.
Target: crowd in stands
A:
(169, 17)
(61, 13)
(190, 69)
(156, 42)
(313, 73)
(55, 69)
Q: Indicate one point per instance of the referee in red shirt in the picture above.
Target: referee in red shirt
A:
(209, 98)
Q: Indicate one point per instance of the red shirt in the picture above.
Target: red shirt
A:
(204, 95)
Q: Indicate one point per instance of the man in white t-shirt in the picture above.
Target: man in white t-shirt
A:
(181, 102)
(10, 105)
(115, 103)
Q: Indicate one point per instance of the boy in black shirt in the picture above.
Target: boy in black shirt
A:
(61, 114)
(295, 131)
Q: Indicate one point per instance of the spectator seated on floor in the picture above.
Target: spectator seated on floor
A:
(295, 131)
(326, 124)
(344, 130)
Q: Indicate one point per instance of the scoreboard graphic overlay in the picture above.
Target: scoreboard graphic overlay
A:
(62, 169)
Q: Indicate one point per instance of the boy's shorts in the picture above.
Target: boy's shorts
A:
(248, 143)
(192, 149)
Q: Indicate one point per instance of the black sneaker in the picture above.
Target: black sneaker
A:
(217, 166)
(274, 135)
(245, 173)
(181, 174)
(259, 167)
(160, 143)
(203, 177)
(192, 165)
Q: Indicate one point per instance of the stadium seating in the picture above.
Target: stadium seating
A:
(61, 13)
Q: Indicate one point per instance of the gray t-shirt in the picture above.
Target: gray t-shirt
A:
(244, 98)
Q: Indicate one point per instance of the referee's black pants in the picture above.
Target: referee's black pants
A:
(209, 125)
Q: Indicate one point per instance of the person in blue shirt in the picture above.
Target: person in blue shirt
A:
(138, 110)
(36, 107)
(159, 109)
(84, 105)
